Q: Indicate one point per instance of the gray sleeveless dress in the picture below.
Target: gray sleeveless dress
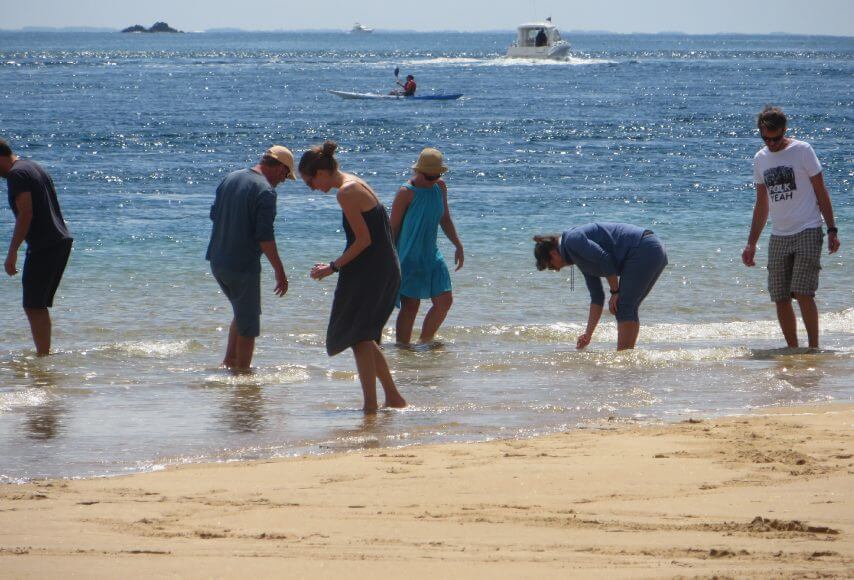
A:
(367, 287)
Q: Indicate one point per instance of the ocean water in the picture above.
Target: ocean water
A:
(657, 130)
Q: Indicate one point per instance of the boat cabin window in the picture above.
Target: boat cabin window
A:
(528, 36)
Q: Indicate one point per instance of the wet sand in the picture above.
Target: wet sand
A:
(753, 496)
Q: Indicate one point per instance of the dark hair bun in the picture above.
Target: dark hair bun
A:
(329, 148)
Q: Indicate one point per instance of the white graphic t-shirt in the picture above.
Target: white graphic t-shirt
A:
(786, 174)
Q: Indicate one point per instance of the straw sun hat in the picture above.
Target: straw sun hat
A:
(430, 162)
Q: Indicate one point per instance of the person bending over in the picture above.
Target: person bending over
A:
(629, 257)
(39, 221)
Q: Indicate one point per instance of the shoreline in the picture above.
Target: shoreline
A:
(323, 449)
(732, 495)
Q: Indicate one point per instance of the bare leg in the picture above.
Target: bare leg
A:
(245, 348)
(436, 316)
(230, 360)
(809, 313)
(406, 319)
(788, 324)
(40, 327)
(627, 334)
(366, 366)
(393, 398)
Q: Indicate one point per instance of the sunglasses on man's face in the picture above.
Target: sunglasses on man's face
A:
(430, 177)
(777, 139)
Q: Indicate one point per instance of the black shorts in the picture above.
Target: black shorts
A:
(43, 270)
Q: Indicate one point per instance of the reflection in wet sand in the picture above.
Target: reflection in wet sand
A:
(369, 432)
(802, 373)
(245, 409)
(44, 421)
(777, 353)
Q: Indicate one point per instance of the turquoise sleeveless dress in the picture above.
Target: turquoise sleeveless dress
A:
(424, 273)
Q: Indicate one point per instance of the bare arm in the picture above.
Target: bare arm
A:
(447, 224)
(351, 203)
(592, 321)
(398, 211)
(826, 208)
(760, 217)
(23, 220)
(272, 253)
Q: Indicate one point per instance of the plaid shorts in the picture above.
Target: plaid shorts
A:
(794, 263)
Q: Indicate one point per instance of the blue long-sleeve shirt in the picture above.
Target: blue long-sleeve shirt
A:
(242, 214)
(599, 250)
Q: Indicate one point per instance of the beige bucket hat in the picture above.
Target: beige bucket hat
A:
(430, 162)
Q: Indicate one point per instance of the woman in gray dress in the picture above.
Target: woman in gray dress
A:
(368, 273)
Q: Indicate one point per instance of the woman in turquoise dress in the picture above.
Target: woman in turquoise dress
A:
(419, 208)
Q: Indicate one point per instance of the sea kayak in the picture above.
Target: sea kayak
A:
(440, 97)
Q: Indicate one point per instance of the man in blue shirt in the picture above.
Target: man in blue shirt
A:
(630, 258)
(39, 221)
(243, 214)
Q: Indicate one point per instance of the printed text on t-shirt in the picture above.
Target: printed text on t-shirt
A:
(780, 182)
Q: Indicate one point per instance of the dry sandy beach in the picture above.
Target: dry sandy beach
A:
(755, 496)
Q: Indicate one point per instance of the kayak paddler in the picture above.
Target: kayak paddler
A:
(409, 87)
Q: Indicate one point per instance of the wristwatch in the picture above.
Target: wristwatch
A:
(333, 266)
(617, 291)
(833, 230)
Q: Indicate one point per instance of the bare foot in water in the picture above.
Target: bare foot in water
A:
(395, 402)
(429, 345)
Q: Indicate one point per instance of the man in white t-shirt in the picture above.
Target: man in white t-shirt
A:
(790, 186)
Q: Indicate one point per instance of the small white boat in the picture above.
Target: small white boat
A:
(538, 40)
(359, 29)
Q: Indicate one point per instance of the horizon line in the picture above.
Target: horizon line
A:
(107, 29)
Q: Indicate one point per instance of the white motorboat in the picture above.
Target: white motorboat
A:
(360, 29)
(538, 40)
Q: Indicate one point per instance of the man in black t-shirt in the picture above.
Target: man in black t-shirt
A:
(39, 221)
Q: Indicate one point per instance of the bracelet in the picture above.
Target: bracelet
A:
(617, 291)
(333, 266)
(833, 230)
